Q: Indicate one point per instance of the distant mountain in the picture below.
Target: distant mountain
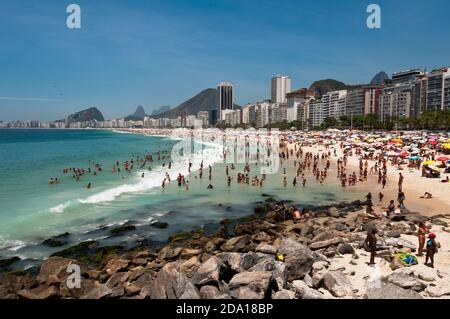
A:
(138, 115)
(89, 114)
(380, 78)
(160, 110)
(206, 100)
(324, 86)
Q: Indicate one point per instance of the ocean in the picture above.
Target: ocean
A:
(32, 210)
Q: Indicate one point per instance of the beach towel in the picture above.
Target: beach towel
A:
(406, 259)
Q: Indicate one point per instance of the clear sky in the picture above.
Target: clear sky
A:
(153, 53)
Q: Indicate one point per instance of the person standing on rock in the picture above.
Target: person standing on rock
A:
(432, 248)
(371, 244)
(421, 233)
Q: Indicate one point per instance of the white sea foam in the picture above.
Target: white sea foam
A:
(60, 208)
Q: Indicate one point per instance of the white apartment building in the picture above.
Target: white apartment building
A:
(315, 112)
(333, 104)
(281, 85)
(438, 90)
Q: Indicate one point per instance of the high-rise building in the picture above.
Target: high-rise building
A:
(406, 76)
(333, 104)
(362, 101)
(354, 104)
(225, 98)
(371, 99)
(249, 114)
(419, 96)
(296, 106)
(315, 112)
(395, 102)
(438, 96)
(281, 85)
(277, 113)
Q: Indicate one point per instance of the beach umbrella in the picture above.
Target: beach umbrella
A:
(434, 168)
(432, 142)
(446, 146)
(391, 154)
(430, 162)
(443, 158)
(414, 158)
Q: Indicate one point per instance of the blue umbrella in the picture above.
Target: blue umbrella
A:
(414, 158)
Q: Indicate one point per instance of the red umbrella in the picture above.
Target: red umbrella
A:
(432, 142)
(443, 158)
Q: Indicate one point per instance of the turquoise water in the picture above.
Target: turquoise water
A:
(32, 210)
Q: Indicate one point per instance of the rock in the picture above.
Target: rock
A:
(122, 229)
(426, 273)
(115, 279)
(400, 243)
(99, 292)
(325, 243)
(299, 263)
(333, 212)
(212, 292)
(308, 280)
(394, 233)
(170, 283)
(250, 285)
(266, 249)
(346, 249)
(160, 225)
(52, 242)
(6, 263)
(39, 293)
(169, 252)
(303, 291)
(443, 289)
(390, 291)
(284, 294)
(238, 262)
(117, 292)
(209, 272)
(405, 278)
(261, 237)
(396, 263)
(132, 289)
(189, 252)
(190, 266)
(53, 270)
(338, 284)
(323, 235)
(439, 222)
(236, 243)
(277, 268)
(319, 265)
(116, 264)
(76, 250)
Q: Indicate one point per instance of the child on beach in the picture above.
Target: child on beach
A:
(432, 248)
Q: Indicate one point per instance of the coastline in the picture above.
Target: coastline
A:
(326, 238)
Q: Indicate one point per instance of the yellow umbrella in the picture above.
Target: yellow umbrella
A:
(429, 162)
(397, 140)
(446, 146)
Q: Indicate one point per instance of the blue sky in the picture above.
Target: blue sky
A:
(153, 53)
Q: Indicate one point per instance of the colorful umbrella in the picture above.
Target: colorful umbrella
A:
(443, 158)
(429, 162)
